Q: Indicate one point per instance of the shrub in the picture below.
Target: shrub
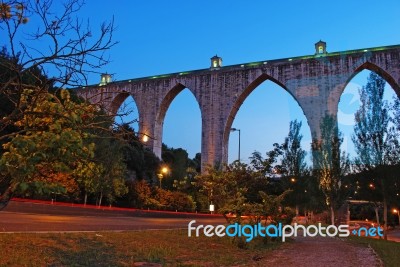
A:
(174, 200)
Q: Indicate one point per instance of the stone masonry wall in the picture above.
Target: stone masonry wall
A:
(315, 82)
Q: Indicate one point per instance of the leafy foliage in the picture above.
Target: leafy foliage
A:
(374, 136)
(236, 192)
(53, 139)
(376, 140)
(293, 158)
(329, 165)
(181, 166)
(58, 141)
(156, 198)
(141, 162)
(43, 133)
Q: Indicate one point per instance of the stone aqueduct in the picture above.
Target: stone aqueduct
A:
(316, 82)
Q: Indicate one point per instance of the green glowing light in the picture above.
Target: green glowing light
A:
(253, 64)
(273, 61)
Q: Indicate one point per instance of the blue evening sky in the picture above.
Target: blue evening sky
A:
(157, 37)
(171, 36)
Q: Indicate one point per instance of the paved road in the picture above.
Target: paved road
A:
(394, 235)
(29, 217)
(33, 217)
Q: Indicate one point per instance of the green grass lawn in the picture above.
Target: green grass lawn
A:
(388, 251)
(170, 248)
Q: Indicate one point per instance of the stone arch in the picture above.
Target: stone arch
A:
(162, 111)
(348, 120)
(336, 93)
(378, 70)
(239, 101)
(117, 102)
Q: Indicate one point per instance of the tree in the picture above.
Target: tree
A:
(173, 200)
(53, 141)
(241, 190)
(375, 138)
(141, 163)
(66, 49)
(396, 115)
(179, 163)
(112, 171)
(140, 196)
(196, 162)
(329, 165)
(215, 186)
(268, 166)
(63, 47)
(10, 97)
(236, 194)
(67, 44)
(293, 163)
(362, 185)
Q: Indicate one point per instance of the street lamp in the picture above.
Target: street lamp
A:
(237, 130)
(398, 214)
(164, 171)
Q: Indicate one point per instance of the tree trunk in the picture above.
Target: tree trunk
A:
(376, 208)
(101, 197)
(332, 215)
(84, 202)
(6, 196)
(384, 218)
